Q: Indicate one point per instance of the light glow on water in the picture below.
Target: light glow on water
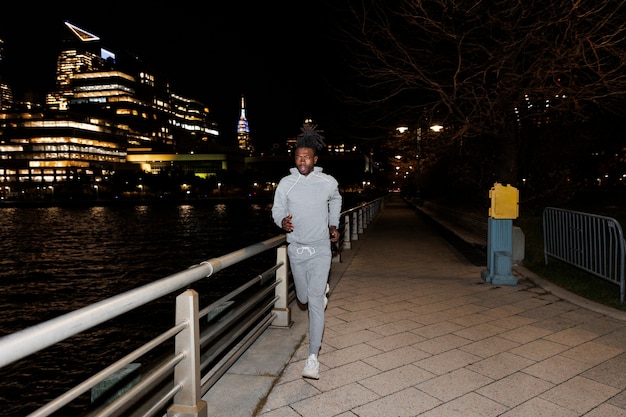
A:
(56, 260)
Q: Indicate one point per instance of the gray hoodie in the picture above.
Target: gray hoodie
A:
(313, 200)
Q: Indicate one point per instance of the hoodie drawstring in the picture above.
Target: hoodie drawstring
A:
(309, 249)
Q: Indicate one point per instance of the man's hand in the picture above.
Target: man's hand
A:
(286, 224)
(334, 233)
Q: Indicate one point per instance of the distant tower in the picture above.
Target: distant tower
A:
(1, 57)
(6, 95)
(243, 131)
(81, 54)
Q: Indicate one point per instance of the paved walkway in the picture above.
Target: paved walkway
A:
(412, 330)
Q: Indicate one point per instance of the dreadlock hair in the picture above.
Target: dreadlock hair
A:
(310, 138)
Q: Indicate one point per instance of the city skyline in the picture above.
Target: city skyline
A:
(111, 118)
(280, 63)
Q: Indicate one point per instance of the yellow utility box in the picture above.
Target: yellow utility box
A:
(504, 202)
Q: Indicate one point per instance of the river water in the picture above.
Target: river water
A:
(58, 259)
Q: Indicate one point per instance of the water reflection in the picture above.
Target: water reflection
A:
(58, 259)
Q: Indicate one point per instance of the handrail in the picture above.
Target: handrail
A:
(28, 341)
(234, 330)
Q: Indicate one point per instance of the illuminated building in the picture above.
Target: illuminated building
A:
(104, 108)
(110, 116)
(243, 130)
(41, 149)
(6, 95)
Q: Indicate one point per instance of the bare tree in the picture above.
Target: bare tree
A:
(493, 67)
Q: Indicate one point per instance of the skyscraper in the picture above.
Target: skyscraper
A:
(6, 95)
(243, 130)
(104, 107)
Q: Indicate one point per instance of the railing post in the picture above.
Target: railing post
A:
(347, 239)
(281, 309)
(188, 401)
(355, 225)
(360, 221)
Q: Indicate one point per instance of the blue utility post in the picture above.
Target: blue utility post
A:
(504, 208)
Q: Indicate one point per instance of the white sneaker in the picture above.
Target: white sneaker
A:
(311, 368)
(326, 296)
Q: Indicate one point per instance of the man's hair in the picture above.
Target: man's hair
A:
(310, 138)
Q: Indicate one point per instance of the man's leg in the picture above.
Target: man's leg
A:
(299, 269)
(310, 270)
(318, 268)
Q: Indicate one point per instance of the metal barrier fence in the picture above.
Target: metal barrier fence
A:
(590, 242)
(204, 342)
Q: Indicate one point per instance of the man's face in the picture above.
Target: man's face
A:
(305, 160)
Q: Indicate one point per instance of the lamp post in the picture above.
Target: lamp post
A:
(435, 128)
(418, 167)
(403, 156)
(418, 156)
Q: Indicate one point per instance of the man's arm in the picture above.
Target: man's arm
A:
(279, 208)
(334, 208)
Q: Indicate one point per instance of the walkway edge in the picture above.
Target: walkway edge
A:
(526, 273)
(243, 389)
(569, 296)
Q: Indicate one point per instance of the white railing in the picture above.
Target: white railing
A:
(205, 342)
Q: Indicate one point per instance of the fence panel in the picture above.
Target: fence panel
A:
(590, 242)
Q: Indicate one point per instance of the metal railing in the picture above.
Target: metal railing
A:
(197, 350)
(354, 221)
(590, 242)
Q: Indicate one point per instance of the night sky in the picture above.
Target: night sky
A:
(286, 60)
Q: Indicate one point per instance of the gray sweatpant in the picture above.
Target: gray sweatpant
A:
(310, 265)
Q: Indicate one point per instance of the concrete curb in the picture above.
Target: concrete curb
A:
(568, 296)
(534, 278)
